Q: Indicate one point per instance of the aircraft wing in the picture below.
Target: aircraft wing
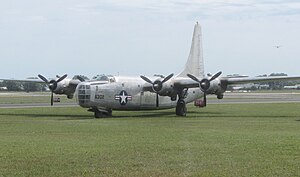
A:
(183, 82)
(244, 80)
(188, 83)
(25, 80)
(73, 82)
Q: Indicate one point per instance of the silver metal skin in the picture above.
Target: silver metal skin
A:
(109, 95)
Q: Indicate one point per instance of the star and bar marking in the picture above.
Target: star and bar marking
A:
(123, 97)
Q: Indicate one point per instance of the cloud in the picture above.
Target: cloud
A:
(70, 30)
(178, 9)
(222, 7)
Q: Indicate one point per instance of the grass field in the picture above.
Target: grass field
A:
(220, 140)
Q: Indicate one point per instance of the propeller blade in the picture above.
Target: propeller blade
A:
(157, 100)
(62, 78)
(146, 79)
(167, 78)
(193, 78)
(51, 98)
(204, 99)
(57, 76)
(215, 76)
(43, 78)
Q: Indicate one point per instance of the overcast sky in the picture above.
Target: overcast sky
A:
(147, 37)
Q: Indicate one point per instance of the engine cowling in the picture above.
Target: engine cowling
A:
(60, 87)
(217, 87)
(211, 85)
(166, 89)
(160, 86)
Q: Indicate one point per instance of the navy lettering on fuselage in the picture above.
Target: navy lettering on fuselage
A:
(123, 97)
(99, 97)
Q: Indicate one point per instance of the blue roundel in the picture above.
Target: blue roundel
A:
(123, 97)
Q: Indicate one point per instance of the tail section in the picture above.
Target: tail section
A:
(195, 64)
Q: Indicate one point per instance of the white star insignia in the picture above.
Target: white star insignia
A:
(123, 98)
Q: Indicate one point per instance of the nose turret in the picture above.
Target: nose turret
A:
(83, 94)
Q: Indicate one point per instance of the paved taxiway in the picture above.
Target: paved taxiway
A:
(229, 98)
(37, 105)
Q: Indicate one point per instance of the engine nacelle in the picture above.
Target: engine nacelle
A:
(161, 85)
(66, 87)
(167, 89)
(61, 87)
(217, 87)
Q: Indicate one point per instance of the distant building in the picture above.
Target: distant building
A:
(235, 76)
(294, 87)
(251, 86)
(3, 88)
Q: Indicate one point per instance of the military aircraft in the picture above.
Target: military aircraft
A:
(103, 94)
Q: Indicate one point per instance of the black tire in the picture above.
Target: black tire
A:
(98, 114)
(181, 108)
(220, 97)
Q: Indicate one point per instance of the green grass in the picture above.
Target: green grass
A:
(220, 140)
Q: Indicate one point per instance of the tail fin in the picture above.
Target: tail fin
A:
(194, 64)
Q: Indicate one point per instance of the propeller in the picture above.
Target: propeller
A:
(52, 84)
(157, 85)
(205, 83)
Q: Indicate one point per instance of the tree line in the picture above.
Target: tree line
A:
(277, 85)
(22, 86)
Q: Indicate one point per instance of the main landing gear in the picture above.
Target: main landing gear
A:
(181, 108)
(181, 105)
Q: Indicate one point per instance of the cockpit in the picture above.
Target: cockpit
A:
(84, 89)
(103, 77)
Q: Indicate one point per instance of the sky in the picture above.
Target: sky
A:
(142, 37)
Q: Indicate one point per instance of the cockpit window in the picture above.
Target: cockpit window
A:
(100, 78)
(104, 78)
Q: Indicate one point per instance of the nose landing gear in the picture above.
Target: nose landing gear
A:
(101, 113)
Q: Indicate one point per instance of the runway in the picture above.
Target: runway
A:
(32, 100)
(38, 105)
(229, 98)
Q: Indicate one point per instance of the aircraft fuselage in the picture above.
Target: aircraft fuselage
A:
(125, 93)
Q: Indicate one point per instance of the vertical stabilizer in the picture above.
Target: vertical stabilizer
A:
(194, 64)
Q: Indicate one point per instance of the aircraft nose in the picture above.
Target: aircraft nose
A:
(83, 94)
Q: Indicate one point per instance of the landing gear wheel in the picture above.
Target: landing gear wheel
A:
(98, 114)
(70, 96)
(101, 114)
(220, 96)
(181, 108)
